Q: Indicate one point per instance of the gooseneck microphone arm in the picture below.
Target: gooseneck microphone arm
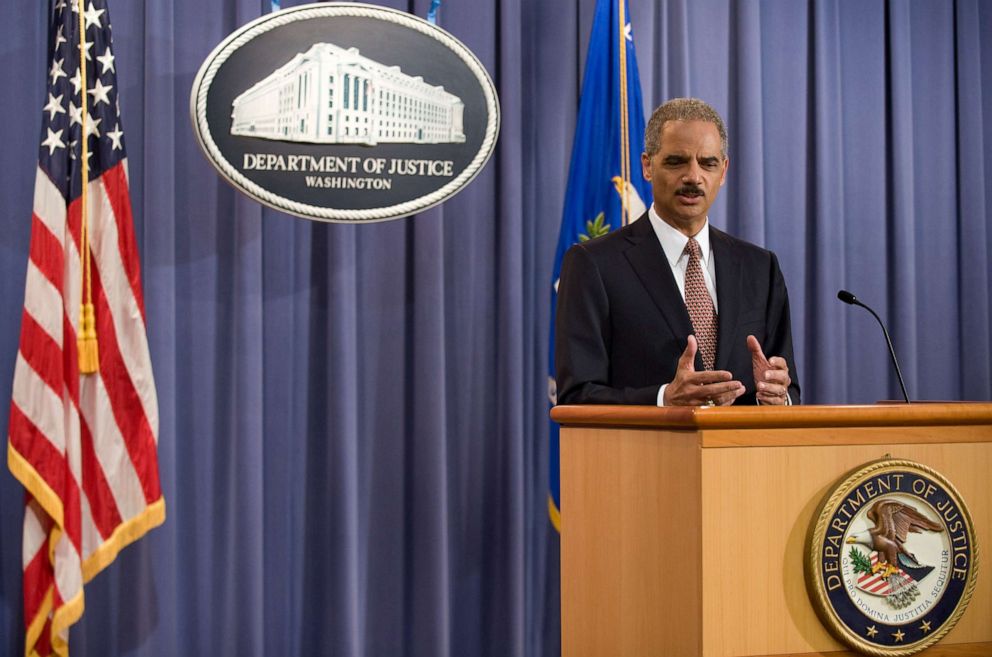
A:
(849, 298)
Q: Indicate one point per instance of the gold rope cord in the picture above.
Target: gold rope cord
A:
(89, 358)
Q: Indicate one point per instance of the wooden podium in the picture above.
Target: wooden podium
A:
(682, 529)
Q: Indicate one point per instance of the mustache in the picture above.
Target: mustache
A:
(689, 190)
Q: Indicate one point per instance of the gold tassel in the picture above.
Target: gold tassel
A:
(89, 356)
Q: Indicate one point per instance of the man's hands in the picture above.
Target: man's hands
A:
(692, 388)
(771, 375)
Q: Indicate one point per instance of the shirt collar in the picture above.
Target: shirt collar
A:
(673, 241)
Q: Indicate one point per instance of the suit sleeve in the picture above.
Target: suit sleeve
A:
(778, 323)
(583, 338)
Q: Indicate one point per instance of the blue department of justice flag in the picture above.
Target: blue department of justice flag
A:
(605, 163)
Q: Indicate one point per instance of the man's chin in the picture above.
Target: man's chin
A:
(688, 223)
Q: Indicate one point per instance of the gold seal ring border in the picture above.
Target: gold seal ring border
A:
(817, 532)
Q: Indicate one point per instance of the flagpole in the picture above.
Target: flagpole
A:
(624, 128)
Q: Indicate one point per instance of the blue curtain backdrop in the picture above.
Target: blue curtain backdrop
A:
(353, 439)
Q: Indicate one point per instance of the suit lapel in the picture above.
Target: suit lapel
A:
(728, 294)
(648, 260)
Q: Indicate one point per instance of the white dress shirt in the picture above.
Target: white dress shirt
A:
(673, 243)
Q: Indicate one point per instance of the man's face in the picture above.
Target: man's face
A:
(686, 173)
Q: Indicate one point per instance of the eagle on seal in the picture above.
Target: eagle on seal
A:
(894, 521)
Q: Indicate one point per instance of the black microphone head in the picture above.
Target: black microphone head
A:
(846, 296)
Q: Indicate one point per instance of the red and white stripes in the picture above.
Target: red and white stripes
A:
(84, 446)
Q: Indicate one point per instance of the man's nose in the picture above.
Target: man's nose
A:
(693, 174)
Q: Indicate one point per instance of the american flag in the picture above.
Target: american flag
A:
(874, 584)
(83, 445)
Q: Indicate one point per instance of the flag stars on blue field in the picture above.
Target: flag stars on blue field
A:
(75, 114)
(57, 71)
(99, 92)
(63, 110)
(86, 48)
(92, 126)
(74, 151)
(54, 106)
(115, 138)
(92, 16)
(77, 82)
(53, 141)
(107, 61)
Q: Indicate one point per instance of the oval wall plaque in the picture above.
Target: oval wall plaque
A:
(345, 112)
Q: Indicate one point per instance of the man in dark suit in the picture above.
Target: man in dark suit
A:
(669, 310)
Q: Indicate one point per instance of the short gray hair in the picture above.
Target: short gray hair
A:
(682, 109)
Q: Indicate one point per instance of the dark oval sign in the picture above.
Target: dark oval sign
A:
(345, 112)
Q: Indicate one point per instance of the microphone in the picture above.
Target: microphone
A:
(849, 298)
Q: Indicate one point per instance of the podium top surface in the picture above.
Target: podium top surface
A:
(695, 418)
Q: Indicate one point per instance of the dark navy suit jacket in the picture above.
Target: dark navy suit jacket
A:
(622, 324)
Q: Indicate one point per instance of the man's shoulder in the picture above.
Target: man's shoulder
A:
(616, 240)
(738, 245)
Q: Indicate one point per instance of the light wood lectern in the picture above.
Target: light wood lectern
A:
(682, 530)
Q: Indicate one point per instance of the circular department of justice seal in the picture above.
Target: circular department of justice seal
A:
(891, 559)
(345, 112)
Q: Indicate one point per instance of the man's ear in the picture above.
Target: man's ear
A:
(726, 165)
(646, 166)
